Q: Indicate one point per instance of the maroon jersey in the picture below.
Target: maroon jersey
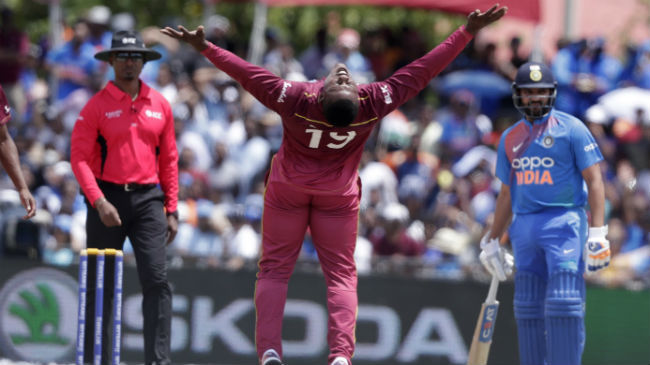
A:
(315, 156)
(5, 110)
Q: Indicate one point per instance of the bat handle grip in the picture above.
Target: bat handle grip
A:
(492, 293)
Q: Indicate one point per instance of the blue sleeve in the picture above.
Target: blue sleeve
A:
(91, 65)
(608, 72)
(54, 56)
(446, 131)
(503, 165)
(585, 148)
(561, 67)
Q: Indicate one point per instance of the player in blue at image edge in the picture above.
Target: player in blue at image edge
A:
(548, 164)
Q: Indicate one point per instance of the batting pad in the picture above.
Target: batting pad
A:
(565, 317)
(530, 290)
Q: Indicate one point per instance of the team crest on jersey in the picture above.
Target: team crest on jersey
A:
(535, 73)
(548, 141)
(7, 109)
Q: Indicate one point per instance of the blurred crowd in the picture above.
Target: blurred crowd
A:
(428, 170)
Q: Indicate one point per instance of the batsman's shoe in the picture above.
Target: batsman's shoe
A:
(271, 357)
(340, 361)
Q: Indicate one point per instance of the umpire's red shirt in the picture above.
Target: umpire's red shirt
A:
(140, 142)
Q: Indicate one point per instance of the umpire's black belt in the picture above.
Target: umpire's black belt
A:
(124, 187)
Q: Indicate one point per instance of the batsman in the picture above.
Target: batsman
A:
(548, 163)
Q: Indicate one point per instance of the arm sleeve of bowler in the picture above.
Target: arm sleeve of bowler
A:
(168, 161)
(260, 82)
(83, 149)
(409, 80)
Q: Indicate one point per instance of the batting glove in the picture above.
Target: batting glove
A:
(597, 253)
(495, 259)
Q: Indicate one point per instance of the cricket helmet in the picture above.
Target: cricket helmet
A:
(534, 75)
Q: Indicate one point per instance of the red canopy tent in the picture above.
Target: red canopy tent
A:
(523, 9)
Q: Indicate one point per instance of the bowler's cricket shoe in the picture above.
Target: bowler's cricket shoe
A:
(271, 357)
(340, 361)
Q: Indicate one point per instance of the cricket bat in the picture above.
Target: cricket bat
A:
(482, 339)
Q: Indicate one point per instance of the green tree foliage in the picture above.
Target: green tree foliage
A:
(302, 22)
(297, 24)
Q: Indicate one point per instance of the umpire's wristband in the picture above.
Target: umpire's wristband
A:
(174, 213)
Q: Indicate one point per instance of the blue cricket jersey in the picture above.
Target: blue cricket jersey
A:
(542, 162)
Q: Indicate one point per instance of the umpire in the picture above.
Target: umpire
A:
(123, 153)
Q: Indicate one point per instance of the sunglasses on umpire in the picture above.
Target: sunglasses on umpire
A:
(123, 56)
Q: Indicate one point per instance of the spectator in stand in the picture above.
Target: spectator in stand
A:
(57, 250)
(14, 48)
(312, 58)
(475, 169)
(584, 72)
(204, 243)
(394, 134)
(98, 19)
(273, 39)
(564, 67)
(379, 184)
(597, 74)
(73, 63)
(161, 44)
(636, 69)
(242, 242)
(412, 46)
(281, 61)
(516, 58)
(463, 126)
(32, 82)
(347, 52)
(383, 50)
(165, 84)
(122, 21)
(252, 157)
(216, 31)
(391, 240)
(65, 112)
(415, 179)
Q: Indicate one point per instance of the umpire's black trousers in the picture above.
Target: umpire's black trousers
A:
(144, 222)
